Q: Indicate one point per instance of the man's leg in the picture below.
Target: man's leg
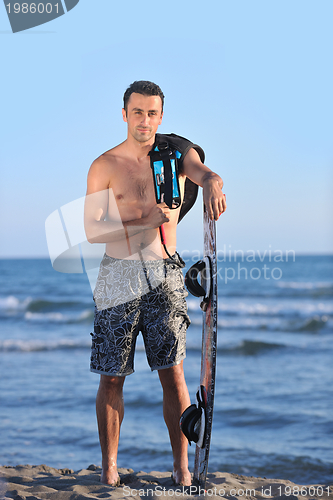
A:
(110, 413)
(175, 400)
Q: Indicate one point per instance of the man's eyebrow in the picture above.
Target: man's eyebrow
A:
(149, 111)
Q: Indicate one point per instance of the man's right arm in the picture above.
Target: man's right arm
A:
(100, 200)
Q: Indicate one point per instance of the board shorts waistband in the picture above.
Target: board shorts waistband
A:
(124, 280)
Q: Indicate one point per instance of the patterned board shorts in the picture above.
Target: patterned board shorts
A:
(132, 296)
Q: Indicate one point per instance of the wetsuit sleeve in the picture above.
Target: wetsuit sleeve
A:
(183, 145)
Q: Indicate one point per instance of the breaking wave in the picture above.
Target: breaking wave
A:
(18, 345)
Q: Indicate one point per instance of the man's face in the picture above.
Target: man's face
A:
(144, 115)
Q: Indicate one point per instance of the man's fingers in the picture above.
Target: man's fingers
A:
(223, 204)
(209, 209)
(165, 210)
(215, 207)
(220, 207)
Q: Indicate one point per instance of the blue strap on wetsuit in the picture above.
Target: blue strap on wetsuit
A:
(166, 160)
(164, 164)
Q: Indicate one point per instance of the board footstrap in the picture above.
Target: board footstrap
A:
(204, 268)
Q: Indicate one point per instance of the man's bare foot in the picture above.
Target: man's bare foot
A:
(110, 477)
(182, 477)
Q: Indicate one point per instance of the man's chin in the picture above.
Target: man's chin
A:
(144, 136)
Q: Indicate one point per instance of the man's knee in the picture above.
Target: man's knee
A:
(110, 384)
(173, 375)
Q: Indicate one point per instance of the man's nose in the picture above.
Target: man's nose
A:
(145, 120)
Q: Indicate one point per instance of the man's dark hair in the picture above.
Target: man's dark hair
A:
(145, 88)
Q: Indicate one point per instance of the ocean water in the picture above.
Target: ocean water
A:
(274, 377)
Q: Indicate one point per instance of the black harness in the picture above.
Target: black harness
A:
(170, 150)
(166, 161)
(164, 164)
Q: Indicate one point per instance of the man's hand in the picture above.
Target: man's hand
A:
(214, 199)
(158, 215)
(211, 183)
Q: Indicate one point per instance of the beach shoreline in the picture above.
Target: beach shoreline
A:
(41, 482)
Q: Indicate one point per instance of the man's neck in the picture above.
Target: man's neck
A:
(139, 149)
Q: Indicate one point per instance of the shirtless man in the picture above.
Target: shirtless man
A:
(121, 211)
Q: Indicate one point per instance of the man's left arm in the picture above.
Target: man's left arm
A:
(210, 182)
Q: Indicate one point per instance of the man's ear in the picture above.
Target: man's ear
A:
(124, 114)
(161, 118)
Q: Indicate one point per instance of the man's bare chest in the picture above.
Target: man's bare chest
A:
(133, 184)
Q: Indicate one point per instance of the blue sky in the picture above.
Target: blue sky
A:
(250, 81)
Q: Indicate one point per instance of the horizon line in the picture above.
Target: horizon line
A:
(318, 253)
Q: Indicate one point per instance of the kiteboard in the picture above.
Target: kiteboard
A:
(196, 421)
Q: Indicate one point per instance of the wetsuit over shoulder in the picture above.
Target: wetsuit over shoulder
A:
(166, 148)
